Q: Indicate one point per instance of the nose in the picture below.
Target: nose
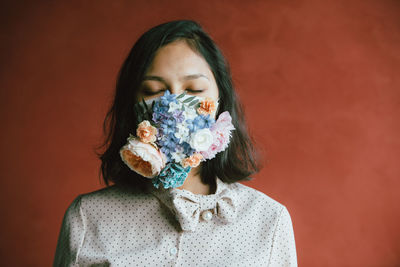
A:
(176, 89)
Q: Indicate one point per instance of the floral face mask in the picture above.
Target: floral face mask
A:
(175, 133)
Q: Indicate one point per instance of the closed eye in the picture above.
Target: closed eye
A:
(150, 93)
(194, 91)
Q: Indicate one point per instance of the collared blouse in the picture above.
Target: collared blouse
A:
(236, 226)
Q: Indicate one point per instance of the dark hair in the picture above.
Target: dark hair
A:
(236, 163)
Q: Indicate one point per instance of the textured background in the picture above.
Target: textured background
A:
(319, 80)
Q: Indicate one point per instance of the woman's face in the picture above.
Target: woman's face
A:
(177, 68)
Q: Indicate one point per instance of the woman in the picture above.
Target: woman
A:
(179, 204)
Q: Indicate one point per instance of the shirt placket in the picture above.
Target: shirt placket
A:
(207, 207)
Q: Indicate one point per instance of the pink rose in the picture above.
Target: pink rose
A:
(143, 158)
(224, 121)
(221, 131)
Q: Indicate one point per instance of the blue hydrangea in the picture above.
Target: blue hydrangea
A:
(159, 117)
(200, 122)
(173, 175)
(168, 125)
(167, 98)
(168, 143)
(161, 107)
(187, 149)
(208, 121)
(178, 115)
(158, 108)
(167, 152)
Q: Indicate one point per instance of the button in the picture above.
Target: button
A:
(206, 215)
(173, 250)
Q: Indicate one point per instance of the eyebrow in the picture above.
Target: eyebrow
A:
(194, 76)
(185, 78)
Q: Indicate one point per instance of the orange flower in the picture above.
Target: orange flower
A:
(135, 162)
(143, 158)
(192, 161)
(207, 106)
(146, 132)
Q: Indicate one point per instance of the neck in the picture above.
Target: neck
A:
(194, 184)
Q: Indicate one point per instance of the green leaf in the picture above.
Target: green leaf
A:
(145, 105)
(194, 102)
(189, 99)
(181, 95)
(138, 108)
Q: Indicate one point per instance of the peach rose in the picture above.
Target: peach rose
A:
(192, 161)
(143, 158)
(207, 106)
(146, 132)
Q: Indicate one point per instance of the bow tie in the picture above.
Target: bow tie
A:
(188, 207)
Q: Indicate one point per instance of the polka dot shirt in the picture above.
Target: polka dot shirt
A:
(235, 226)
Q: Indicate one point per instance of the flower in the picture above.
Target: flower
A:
(167, 98)
(173, 175)
(224, 122)
(220, 144)
(200, 122)
(221, 132)
(159, 109)
(187, 149)
(168, 143)
(178, 155)
(192, 161)
(162, 105)
(143, 158)
(207, 106)
(201, 140)
(183, 133)
(177, 135)
(158, 117)
(146, 132)
(168, 125)
(178, 115)
(174, 106)
(190, 113)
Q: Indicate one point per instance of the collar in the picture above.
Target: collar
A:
(190, 209)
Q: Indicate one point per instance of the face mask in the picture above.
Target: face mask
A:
(175, 133)
(184, 97)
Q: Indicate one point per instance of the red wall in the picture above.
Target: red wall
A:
(320, 81)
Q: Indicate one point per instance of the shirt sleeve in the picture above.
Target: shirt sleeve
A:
(71, 235)
(283, 252)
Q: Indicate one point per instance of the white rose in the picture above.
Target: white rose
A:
(201, 140)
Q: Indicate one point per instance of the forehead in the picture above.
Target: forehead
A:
(178, 58)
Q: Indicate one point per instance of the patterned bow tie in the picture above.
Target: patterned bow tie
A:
(188, 207)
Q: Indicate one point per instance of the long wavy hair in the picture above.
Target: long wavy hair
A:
(238, 162)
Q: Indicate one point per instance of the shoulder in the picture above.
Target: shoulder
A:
(251, 199)
(252, 195)
(111, 197)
